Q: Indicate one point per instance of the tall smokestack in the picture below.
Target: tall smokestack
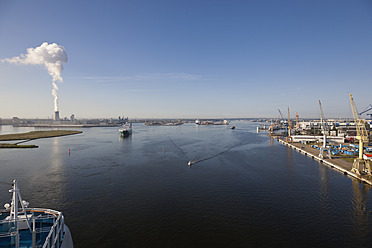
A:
(56, 115)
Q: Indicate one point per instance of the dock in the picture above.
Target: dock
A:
(335, 163)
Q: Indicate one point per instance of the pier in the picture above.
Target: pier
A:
(335, 163)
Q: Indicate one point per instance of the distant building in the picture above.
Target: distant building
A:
(56, 116)
(16, 121)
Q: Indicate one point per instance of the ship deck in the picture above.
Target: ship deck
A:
(43, 222)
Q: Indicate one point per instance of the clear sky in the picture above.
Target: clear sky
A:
(189, 58)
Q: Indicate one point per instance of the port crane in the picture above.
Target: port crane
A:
(284, 121)
(289, 124)
(324, 127)
(362, 136)
(274, 125)
(281, 115)
(289, 138)
(368, 108)
(297, 123)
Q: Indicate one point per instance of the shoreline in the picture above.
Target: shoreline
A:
(33, 135)
(335, 163)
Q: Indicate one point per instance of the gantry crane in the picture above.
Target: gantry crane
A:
(324, 130)
(360, 165)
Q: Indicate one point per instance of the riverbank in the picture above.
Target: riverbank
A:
(33, 135)
(337, 163)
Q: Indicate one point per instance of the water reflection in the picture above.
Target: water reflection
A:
(271, 141)
(54, 178)
(125, 137)
(289, 156)
(324, 190)
(360, 213)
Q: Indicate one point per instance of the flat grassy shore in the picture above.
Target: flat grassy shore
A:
(17, 146)
(32, 136)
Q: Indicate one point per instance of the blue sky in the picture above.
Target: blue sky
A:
(189, 59)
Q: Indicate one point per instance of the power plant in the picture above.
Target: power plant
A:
(56, 116)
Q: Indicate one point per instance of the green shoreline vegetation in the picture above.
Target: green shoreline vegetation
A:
(32, 136)
(17, 146)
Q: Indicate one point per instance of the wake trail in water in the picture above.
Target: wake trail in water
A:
(179, 148)
(197, 160)
(216, 155)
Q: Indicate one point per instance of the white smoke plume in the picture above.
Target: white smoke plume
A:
(51, 56)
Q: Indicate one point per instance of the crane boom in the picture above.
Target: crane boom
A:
(280, 112)
(368, 108)
(321, 112)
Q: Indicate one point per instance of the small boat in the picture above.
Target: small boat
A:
(126, 130)
(21, 226)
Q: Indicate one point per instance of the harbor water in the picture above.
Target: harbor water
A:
(247, 190)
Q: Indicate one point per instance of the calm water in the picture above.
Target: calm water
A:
(130, 193)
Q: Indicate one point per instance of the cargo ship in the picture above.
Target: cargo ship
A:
(126, 130)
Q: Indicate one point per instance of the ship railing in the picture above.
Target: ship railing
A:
(7, 234)
(56, 231)
(55, 236)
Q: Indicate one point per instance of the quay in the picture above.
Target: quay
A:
(335, 163)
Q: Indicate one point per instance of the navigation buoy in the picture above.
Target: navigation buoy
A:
(69, 151)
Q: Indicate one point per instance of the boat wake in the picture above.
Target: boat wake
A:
(179, 148)
(198, 159)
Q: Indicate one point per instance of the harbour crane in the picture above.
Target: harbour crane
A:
(289, 138)
(284, 123)
(289, 123)
(368, 108)
(274, 125)
(324, 131)
(277, 120)
(362, 136)
(297, 121)
(281, 115)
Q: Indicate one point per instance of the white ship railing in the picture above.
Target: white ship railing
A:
(56, 231)
(19, 216)
(55, 236)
